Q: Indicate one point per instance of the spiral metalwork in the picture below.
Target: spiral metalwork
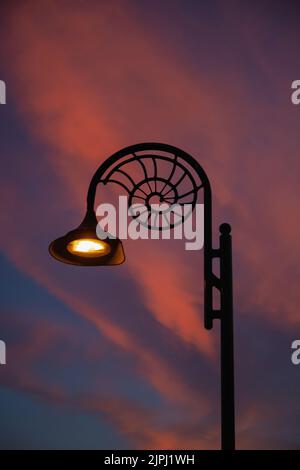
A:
(156, 177)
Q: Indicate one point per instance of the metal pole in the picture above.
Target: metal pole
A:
(227, 349)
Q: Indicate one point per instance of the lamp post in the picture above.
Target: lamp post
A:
(83, 247)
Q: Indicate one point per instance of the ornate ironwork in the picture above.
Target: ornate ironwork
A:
(156, 177)
(150, 158)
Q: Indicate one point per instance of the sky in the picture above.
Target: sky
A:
(118, 357)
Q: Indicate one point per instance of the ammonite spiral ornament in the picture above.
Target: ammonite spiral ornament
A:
(152, 176)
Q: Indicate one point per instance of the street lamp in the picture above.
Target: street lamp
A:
(83, 247)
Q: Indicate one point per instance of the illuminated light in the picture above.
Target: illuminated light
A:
(83, 246)
(89, 247)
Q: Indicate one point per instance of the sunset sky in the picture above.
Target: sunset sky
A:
(118, 358)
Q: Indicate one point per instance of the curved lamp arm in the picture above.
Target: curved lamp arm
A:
(211, 281)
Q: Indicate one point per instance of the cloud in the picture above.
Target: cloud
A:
(33, 355)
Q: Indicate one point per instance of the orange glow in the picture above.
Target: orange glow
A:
(90, 247)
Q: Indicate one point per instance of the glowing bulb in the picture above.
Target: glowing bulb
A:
(90, 247)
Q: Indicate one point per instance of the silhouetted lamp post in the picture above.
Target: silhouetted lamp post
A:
(82, 246)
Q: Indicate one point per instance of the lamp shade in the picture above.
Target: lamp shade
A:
(83, 247)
